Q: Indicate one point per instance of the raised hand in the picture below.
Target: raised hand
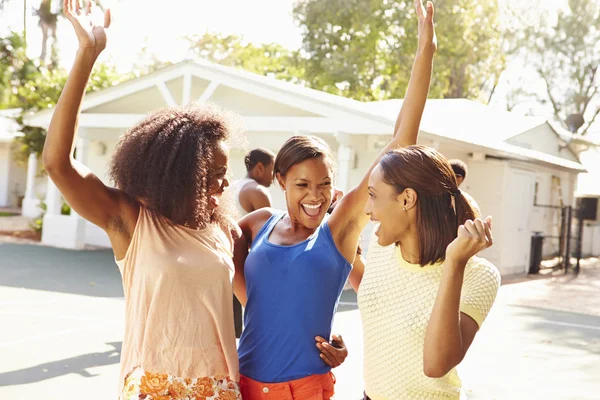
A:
(89, 23)
(427, 37)
(473, 237)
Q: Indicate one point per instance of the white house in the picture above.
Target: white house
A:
(12, 175)
(511, 159)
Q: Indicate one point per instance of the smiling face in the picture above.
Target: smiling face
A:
(308, 189)
(394, 212)
(217, 179)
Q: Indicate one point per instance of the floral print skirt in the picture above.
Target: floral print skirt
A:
(144, 385)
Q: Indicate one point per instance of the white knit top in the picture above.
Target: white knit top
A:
(396, 299)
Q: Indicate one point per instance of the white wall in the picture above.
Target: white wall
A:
(485, 182)
(17, 179)
(542, 138)
(4, 174)
(591, 239)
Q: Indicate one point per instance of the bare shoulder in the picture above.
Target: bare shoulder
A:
(258, 217)
(253, 222)
(254, 188)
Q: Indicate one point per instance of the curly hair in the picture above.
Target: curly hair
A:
(165, 160)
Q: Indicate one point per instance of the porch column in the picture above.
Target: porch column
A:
(66, 231)
(31, 203)
(53, 202)
(345, 159)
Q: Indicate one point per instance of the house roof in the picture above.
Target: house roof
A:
(451, 119)
(463, 119)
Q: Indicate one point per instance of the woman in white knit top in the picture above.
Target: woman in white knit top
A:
(424, 294)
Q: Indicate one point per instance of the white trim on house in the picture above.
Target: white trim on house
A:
(339, 114)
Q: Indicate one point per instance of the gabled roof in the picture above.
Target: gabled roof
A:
(325, 104)
(452, 119)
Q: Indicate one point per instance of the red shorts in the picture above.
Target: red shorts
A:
(314, 387)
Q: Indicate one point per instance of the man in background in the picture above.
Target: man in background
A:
(252, 192)
(460, 170)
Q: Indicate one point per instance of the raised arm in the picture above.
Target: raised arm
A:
(86, 194)
(349, 219)
(450, 332)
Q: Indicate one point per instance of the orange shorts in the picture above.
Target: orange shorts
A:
(314, 387)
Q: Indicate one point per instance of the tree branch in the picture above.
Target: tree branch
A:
(591, 122)
(555, 105)
(589, 96)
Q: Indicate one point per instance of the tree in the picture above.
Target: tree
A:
(565, 52)
(364, 48)
(47, 14)
(271, 59)
(31, 87)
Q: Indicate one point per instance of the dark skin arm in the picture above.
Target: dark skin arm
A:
(106, 207)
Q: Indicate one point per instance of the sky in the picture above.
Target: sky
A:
(136, 24)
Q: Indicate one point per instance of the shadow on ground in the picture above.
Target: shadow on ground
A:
(89, 273)
(73, 365)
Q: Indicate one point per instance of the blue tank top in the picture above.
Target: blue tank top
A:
(293, 292)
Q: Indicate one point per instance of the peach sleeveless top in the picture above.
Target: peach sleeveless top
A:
(178, 301)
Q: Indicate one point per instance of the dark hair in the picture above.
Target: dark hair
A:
(459, 167)
(263, 156)
(301, 148)
(441, 206)
(165, 160)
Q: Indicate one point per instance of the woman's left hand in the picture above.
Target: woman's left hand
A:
(473, 237)
(334, 353)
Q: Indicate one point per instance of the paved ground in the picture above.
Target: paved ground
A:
(62, 320)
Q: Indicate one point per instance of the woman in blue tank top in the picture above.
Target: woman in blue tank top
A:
(300, 259)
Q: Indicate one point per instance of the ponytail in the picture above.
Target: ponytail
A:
(463, 209)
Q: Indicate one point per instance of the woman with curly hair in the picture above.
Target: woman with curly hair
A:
(173, 244)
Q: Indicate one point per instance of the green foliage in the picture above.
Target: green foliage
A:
(365, 48)
(566, 54)
(271, 59)
(32, 87)
(65, 209)
(38, 223)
